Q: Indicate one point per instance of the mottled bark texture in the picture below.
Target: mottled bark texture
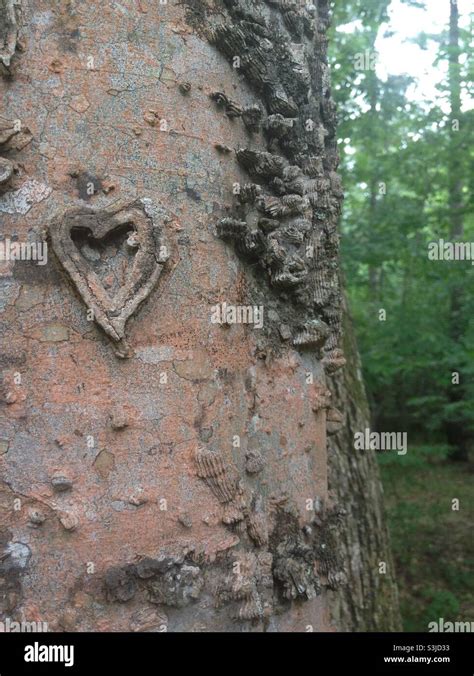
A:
(161, 470)
(369, 602)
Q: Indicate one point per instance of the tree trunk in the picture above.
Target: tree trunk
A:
(369, 602)
(164, 455)
(458, 436)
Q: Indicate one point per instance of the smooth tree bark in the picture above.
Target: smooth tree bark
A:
(165, 400)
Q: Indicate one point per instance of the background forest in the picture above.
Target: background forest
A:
(407, 161)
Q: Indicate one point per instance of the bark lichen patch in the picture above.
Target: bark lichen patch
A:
(167, 580)
(14, 560)
(10, 12)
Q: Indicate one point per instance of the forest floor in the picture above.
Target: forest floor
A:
(433, 544)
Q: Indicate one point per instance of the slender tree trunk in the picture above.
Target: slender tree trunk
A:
(163, 439)
(457, 435)
(374, 270)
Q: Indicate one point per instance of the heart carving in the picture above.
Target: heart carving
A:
(143, 223)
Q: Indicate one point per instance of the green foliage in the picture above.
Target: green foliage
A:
(443, 604)
(432, 544)
(397, 163)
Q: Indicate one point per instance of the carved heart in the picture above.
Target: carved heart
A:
(111, 311)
